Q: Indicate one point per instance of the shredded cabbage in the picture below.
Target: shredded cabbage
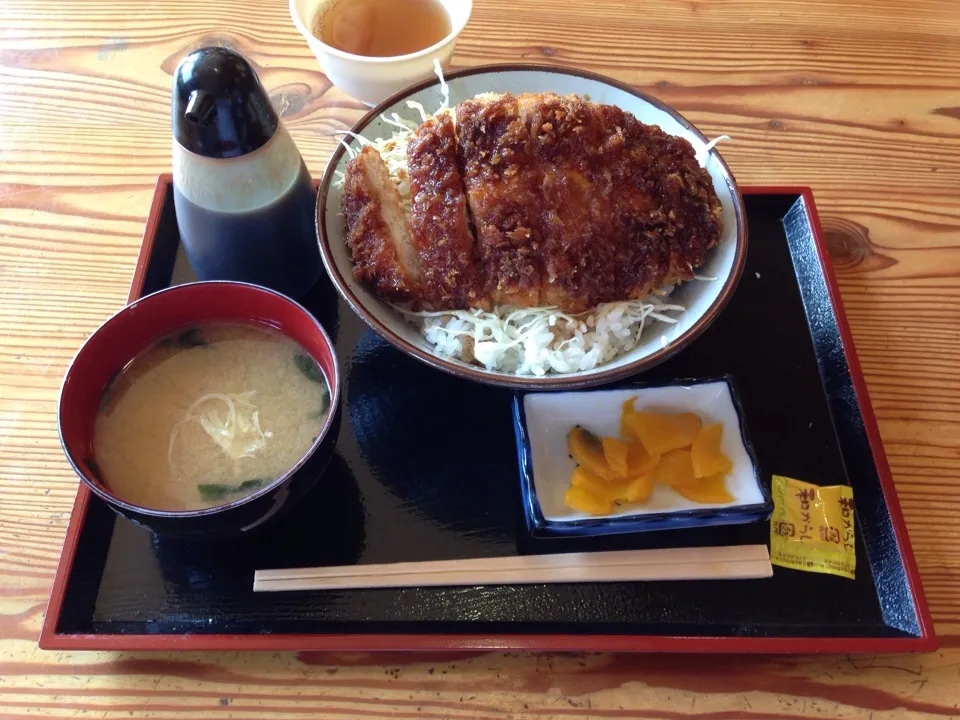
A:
(538, 340)
(703, 154)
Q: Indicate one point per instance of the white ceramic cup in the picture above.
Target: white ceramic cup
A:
(372, 79)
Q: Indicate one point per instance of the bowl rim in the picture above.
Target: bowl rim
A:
(111, 499)
(455, 30)
(567, 381)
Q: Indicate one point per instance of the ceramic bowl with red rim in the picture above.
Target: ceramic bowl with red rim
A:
(137, 327)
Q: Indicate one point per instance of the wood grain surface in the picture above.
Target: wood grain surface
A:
(859, 99)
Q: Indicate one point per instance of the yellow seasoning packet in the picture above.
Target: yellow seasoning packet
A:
(812, 527)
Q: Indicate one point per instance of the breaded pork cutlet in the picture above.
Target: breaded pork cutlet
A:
(502, 181)
(441, 230)
(665, 202)
(580, 253)
(378, 232)
(614, 208)
(572, 204)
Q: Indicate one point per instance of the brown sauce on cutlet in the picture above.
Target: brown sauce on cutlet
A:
(572, 204)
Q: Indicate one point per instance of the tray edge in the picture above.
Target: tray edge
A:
(871, 427)
(48, 630)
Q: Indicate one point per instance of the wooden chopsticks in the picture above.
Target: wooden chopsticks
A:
(702, 563)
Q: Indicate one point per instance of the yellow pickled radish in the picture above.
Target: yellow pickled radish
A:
(662, 432)
(708, 490)
(579, 498)
(616, 452)
(639, 461)
(705, 452)
(674, 449)
(639, 489)
(587, 449)
(676, 469)
(582, 477)
(625, 410)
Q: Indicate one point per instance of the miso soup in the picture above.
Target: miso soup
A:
(208, 415)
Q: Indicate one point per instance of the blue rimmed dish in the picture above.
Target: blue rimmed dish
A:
(542, 420)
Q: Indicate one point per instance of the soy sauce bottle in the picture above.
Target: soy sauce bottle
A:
(243, 196)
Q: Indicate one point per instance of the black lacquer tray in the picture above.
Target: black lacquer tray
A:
(426, 468)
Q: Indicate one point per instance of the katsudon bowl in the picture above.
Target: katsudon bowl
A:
(701, 299)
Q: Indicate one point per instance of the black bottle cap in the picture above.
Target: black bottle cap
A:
(220, 109)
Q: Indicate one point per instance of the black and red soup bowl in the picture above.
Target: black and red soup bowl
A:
(135, 328)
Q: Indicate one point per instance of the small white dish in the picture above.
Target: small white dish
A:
(544, 419)
(703, 300)
(371, 79)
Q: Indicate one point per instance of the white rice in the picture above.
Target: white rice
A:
(521, 340)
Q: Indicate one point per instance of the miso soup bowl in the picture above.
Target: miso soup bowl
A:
(134, 329)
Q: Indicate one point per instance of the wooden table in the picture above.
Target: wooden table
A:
(860, 100)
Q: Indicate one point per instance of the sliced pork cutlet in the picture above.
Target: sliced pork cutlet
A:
(694, 212)
(378, 233)
(580, 249)
(442, 236)
(501, 176)
(581, 199)
(624, 171)
(665, 203)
